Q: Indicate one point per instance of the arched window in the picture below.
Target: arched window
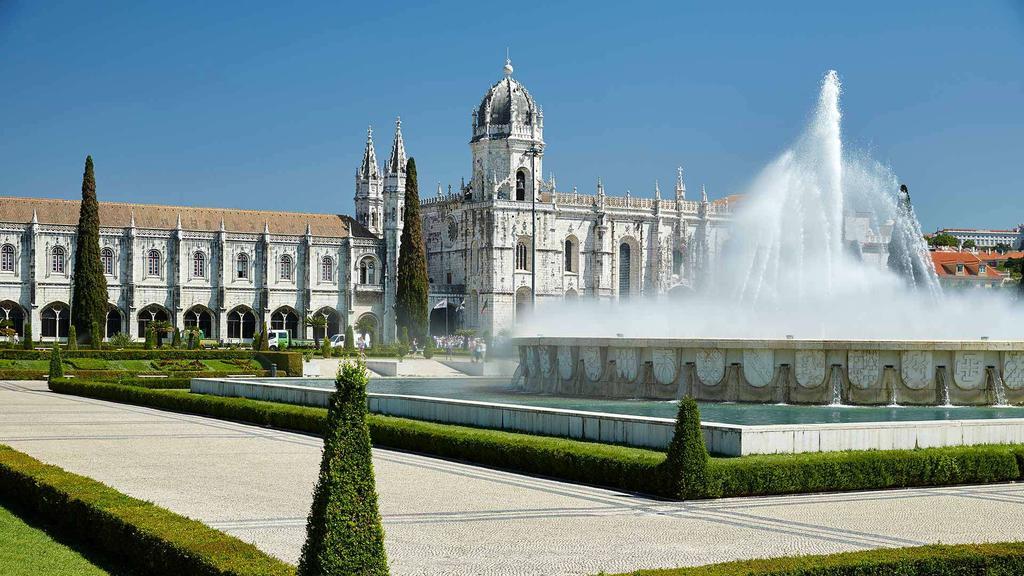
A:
(241, 323)
(7, 258)
(285, 268)
(285, 318)
(12, 316)
(58, 260)
(327, 269)
(522, 262)
(521, 185)
(199, 265)
(367, 271)
(677, 262)
(200, 317)
(625, 265)
(56, 318)
(153, 263)
(242, 266)
(107, 259)
(524, 302)
(113, 321)
(150, 314)
(571, 255)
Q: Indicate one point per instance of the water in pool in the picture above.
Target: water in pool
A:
(491, 390)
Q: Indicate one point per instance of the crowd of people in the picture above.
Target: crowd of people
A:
(476, 347)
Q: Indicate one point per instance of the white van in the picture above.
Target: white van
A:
(277, 339)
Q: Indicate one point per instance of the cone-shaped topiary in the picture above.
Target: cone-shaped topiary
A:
(325, 348)
(56, 366)
(150, 337)
(428, 348)
(72, 338)
(411, 296)
(26, 341)
(256, 336)
(343, 532)
(89, 293)
(96, 336)
(350, 339)
(176, 339)
(686, 466)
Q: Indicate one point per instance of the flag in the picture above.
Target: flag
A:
(484, 306)
(442, 304)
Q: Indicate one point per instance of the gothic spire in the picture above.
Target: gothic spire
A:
(703, 194)
(680, 185)
(657, 191)
(369, 169)
(396, 162)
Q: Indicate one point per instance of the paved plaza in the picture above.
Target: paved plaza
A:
(444, 517)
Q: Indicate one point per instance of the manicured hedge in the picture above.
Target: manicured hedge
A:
(19, 374)
(139, 535)
(621, 467)
(608, 465)
(936, 560)
(155, 383)
(128, 354)
(288, 362)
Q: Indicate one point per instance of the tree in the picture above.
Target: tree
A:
(96, 336)
(257, 336)
(264, 344)
(686, 464)
(411, 298)
(943, 240)
(72, 338)
(176, 339)
(969, 245)
(318, 322)
(350, 339)
(150, 337)
(56, 365)
(1002, 248)
(27, 339)
(344, 534)
(160, 329)
(325, 348)
(89, 295)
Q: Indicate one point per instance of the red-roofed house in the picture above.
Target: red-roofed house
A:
(961, 270)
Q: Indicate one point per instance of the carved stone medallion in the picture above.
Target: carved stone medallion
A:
(592, 362)
(810, 368)
(626, 362)
(663, 362)
(1013, 370)
(969, 372)
(710, 366)
(758, 367)
(566, 366)
(864, 368)
(916, 368)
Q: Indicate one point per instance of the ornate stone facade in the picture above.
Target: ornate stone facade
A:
(508, 237)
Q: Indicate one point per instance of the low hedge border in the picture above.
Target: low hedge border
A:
(116, 375)
(619, 467)
(154, 383)
(632, 469)
(141, 536)
(126, 354)
(287, 362)
(935, 560)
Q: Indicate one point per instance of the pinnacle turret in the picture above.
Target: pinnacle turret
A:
(368, 169)
(680, 185)
(703, 194)
(396, 161)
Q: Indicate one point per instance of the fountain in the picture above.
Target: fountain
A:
(824, 293)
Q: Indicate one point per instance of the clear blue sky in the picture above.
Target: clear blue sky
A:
(265, 104)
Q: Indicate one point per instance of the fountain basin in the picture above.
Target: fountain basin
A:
(790, 371)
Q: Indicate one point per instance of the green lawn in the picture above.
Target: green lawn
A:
(27, 551)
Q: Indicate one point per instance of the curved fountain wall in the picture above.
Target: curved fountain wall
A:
(854, 372)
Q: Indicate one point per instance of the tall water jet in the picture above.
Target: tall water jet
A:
(908, 253)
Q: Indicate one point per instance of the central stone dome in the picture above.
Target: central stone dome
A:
(506, 109)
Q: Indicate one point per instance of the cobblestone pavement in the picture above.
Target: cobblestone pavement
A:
(444, 517)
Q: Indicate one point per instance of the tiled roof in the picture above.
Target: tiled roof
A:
(155, 216)
(946, 262)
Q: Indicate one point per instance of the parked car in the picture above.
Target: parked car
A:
(338, 341)
(278, 339)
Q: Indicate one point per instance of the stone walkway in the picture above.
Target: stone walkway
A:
(449, 518)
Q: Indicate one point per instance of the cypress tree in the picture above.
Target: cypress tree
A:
(350, 339)
(97, 336)
(176, 340)
(56, 366)
(686, 465)
(256, 336)
(26, 341)
(89, 298)
(411, 298)
(344, 534)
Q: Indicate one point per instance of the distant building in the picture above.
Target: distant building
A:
(962, 270)
(987, 238)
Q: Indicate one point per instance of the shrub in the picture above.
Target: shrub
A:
(56, 366)
(343, 532)
(72, 338)
(131, 354)
(96, 336)
(686, 464)
(264, 344)
(121, 340)
(256, 337)
(288, 362)
(27, 341)
(350, 339)
(428, 348)
(130, 532)
(150, 336)
(176, 339)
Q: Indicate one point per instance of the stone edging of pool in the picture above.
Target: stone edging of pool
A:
(645, 431)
